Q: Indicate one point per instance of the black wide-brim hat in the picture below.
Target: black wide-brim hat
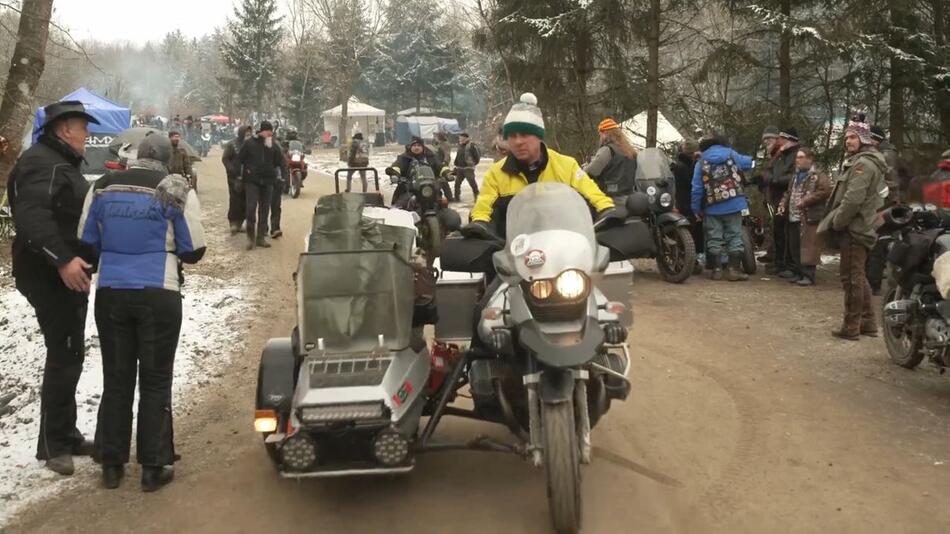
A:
(65, 110)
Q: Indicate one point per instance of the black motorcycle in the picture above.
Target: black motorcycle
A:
(659, 230)
(916, 316)
(421, 192)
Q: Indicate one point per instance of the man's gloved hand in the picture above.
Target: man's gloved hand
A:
(392, 171)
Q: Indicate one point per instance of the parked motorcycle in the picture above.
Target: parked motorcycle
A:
(422, 194)
(916, 315)
(297, 164)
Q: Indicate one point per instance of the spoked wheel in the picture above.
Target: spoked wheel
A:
(748, 258)
(294, 186)
(676, 256)
(903, 342)
(562, 466)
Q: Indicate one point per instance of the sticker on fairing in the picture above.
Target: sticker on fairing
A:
(402, 395)
(534, 259)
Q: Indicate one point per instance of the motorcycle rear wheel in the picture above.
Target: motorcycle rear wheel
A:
(562, 466)
(748, 258)
(903, 346)
(676, 254)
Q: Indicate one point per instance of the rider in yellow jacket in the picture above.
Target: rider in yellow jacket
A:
(529, 161)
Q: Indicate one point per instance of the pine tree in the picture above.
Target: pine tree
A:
(252, 50)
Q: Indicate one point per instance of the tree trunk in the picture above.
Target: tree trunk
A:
(344, 116)
(785, 67)
(942, 88)
(653, 72)
(26, 68)
(898, 83)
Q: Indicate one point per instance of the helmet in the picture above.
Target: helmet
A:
(156, 147)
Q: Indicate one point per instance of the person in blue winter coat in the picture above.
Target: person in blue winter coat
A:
(718, 199)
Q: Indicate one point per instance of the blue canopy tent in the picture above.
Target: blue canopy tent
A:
(113, 118)
(424, 127)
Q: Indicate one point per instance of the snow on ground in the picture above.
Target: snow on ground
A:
(210, 306)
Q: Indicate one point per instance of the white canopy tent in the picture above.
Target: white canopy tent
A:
(636, 131)
(361, 118)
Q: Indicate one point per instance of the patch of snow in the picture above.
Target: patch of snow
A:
(24, 88)
(210, 307)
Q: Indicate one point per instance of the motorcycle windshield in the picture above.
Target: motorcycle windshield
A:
(550, 230)
(295, 146)
(653, 164)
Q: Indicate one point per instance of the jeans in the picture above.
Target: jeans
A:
(258, 207)
(138, 331)
(349, 179)
(858, 314)
(61, 313)
(723, 232)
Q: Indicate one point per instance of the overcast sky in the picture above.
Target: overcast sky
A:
(138, 21)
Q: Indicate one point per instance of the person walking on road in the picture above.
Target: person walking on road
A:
(805, 204)
(143, 222)
(357, 158)
(466, 159)
(237, 204)
(260, 158)
(850, 223)
(718, 199)
(53, 270)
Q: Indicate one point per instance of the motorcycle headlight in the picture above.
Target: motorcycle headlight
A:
(295, 158)
(541, 289)
(571, 284)
(666, 200)
(427, 191)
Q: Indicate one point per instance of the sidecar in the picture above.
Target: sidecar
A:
(344, 393)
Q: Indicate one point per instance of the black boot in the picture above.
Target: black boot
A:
(250, 239)
(714, 264)
(112, 475)
(734, 272)
(154, 477)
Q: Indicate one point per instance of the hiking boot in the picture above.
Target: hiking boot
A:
(805, 281)
(235, 228)
(153, 478)
(276, 233)
(869, 330)
(788, 274)
(84, 448)
(250, 244)
(713, 263)
(262, 243)
(112, 475)
(62, 465)
(734, 272)
(841, 333)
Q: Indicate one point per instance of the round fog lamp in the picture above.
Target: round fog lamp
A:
(428, 191)
(666, 200)
(391, 448)
(541, 289)
(571, 284)
(299, 453)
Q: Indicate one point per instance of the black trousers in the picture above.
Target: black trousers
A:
(258, 201)
(138, 331)
(793, 242)
(467, 174)
(61, 314)
(237, 204)
(779, 232)
(276, 196)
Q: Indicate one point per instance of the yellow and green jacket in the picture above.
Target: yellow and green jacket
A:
(504, 180)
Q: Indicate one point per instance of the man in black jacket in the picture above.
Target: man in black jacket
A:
(416, 151)
(466, 159)
(260, 158)
(782, 173)
(52, 270)
(683, 168)
(236, 202)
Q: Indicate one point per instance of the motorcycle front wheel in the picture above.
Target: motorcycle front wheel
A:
(433, 238)
(903, 344)
(294, 184)
(676, 254)
(562, 466)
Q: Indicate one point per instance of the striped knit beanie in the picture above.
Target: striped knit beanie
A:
(860, 129)
(524, 117)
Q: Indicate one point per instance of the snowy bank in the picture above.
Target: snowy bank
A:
(211, 306)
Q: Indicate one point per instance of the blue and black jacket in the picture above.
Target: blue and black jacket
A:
(143, 223)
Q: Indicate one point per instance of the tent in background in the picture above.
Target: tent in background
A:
(113, 118)
(362, 118)
(424, 127)
(636, 131)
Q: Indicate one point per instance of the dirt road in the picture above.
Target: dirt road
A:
(745, 416)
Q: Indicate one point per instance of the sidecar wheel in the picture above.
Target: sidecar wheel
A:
(676, 254)
(562, 466)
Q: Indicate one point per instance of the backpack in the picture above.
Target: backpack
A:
(360, 154)
(721, 181)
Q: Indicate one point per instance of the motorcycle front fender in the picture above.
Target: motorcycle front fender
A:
(671, 218)
(552, 353)
(556, 386)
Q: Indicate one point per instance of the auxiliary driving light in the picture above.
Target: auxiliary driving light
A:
(541, 289)
(341, 412)
(265, 421)
(666, 200)
(390, 448)
(299, 452)
(428, 191)
(571, 284)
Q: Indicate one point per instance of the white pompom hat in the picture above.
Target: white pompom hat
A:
(524, 117)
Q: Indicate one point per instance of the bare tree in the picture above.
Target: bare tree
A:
(26, 67)
(349, 31)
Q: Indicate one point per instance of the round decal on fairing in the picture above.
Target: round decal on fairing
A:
(534, 259)
(519, 245)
